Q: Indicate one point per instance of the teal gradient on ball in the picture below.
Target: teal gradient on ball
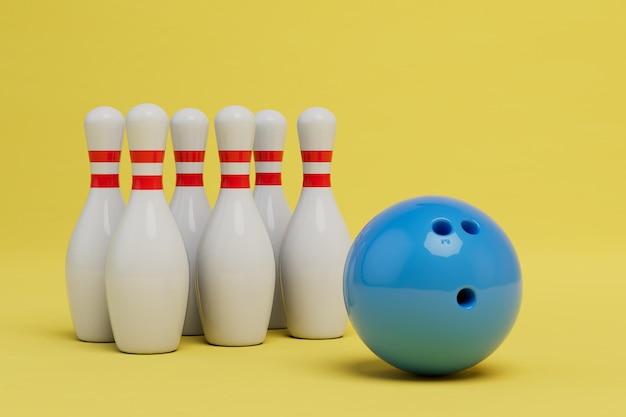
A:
(432, 285)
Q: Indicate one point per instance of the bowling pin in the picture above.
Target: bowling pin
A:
(147, 271)
(189, 205)
(316, 243)
(269, 141)
(89, 244)
(236, 270)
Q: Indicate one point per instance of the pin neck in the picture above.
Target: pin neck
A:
(235, 166)
(147, 168)
(189, 167)
(104, 167)
(316, 167)
(268, 167)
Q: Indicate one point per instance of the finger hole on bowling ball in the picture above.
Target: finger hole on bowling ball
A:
(466, 298)
(470, 226)
(442, 227)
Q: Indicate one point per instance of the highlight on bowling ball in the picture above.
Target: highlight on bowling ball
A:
(432, 285)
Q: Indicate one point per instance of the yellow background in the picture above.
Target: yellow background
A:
(518, 107)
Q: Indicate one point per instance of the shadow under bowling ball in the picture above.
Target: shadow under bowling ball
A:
(378, 369)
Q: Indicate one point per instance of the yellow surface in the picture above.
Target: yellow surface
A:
(517, 107)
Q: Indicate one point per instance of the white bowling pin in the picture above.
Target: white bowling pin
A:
(269, 141)
(147, 271)
(235, 257)
(89, 244)
(190, 207)
(316, 243)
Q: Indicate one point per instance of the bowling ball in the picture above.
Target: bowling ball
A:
(432, 285)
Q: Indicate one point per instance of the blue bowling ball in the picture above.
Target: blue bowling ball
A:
(432, 285)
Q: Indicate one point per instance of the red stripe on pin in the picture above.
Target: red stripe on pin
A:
(268, 178)
(189, 180)
(268, 156)
(235, 181)
(147, 182)
(189, 156)
(316, 180)
(145, 156)
(317, 156)
(235, 156)
(104, 156)
(105, 181)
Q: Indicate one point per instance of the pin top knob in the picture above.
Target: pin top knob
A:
(146, 127)
(104, 129)
(316, 129)
(189, 129)
(271, 129)
(234, 128)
